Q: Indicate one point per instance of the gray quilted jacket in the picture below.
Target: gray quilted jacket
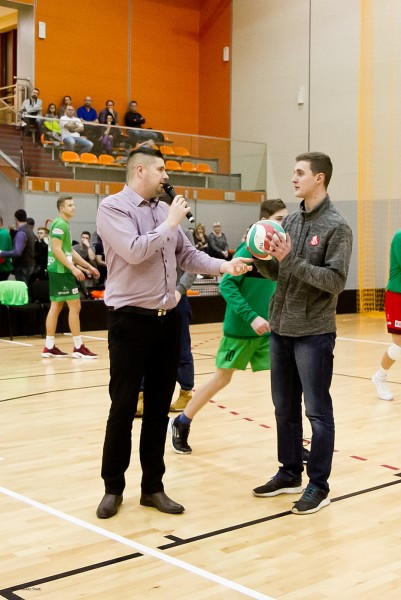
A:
(310, 278)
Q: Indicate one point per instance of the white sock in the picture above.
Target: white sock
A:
(49, 342)
(77, 341)
(382, 373)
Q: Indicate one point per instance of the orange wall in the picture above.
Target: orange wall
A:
(177, 74)
(214, 74)
(85, 52)
(165, 62)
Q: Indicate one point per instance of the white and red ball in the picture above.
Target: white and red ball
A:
(257, 241)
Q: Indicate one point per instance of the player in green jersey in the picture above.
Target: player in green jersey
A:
(246, 333)
(63, 276)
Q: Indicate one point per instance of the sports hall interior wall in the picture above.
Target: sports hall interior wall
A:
(150, 50)
(344, 58)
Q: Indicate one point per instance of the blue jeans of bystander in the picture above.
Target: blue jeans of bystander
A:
(303, 365)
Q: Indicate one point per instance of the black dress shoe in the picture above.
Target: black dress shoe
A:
(162, 502)
(109, 506)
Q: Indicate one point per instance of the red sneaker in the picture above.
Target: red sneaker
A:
(53, 353)
(83, 352)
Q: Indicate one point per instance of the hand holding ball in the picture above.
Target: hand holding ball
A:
(257, 240)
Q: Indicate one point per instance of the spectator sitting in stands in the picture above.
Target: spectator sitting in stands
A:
(51, 125)
(88, 116)
(41, 251)
(86, 112)
(110, 135)
(218, 242)
(67, 101)
(87, 252)
(109, 110)
(31, 109)
(133, 118)
(200, 238)
(70, 132)
(100, 260)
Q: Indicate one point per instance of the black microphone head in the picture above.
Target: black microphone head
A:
(169, 190)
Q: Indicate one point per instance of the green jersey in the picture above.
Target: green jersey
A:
(60, 230)
(394, 280)
(247, 296)
(6, 245)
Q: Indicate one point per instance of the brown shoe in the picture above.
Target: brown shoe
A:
(109, 506)
(182, 400)
(162, 502)
(139, 406)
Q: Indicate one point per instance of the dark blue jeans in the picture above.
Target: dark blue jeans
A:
(303, 364)
(185, 376)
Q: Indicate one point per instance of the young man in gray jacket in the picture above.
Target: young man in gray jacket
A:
(311, 270)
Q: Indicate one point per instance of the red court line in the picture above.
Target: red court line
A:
(361, 458)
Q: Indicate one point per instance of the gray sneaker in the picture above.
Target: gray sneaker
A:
(277, 485)
(312, 500)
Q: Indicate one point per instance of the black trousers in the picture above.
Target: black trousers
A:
(149, 346)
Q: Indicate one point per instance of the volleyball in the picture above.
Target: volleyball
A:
(257, 241)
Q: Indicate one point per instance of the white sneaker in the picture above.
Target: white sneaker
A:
(383, 391)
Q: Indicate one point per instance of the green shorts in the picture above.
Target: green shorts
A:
(63, 286)
(234, 353)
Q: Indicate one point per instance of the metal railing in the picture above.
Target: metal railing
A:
(12, 97)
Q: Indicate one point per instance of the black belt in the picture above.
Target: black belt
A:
(138, 310)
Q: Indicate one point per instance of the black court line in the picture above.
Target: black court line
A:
(57, 374)
(9, 594)
(87, 387)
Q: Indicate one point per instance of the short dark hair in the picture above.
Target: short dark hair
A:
(132, 101)
(319, 163)
(61, 201)
(145, 150)
(86, 233)
(31, 221)
(140, 151)
(37, 89)
(1, 220)
(270, 207)
(20, 215)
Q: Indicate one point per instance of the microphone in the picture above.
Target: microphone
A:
(170, 191)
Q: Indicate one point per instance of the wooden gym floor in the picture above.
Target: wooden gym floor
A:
(227, 545)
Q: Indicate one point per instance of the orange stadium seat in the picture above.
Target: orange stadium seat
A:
(89, 158)
(173, 165)
(106, 159)
(166, 150)
(204, 168)
(69, 156)
(187, 166)
(181, 151)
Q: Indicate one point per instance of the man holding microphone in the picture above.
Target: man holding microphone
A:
(143, 244)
